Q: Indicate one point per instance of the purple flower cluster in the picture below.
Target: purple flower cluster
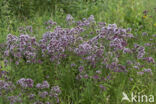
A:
(149, 59)
(43, 85)
(25, 29)
(43, 94)
(69, 18)
(31, 96)
(14, 99)
(114, 66)
(117, 43)
(23, 47)
(7, 86)
(145, 71)
(86, 22)
(50, 24)
(54, 45)
(55, 92)
(127, 50)
(25, 83)
(141, 52)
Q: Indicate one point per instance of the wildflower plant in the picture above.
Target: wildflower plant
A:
(65, 62)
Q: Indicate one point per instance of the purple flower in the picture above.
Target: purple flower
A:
(130, 35)
(102, 87)
(91, 18)
(86, 76)
(17, 63)
(129, 30)
(47, 102)
(154, 35)
(145, 12)
(78, 77)
(39, 86)
(25, 83)
(39, 61)
(69, 18)
(149, 59)
(98, 72)
(29, 28)
(31, 96)
(14, 99)
(81, 68)
(43, 85)
(117, 43)
(129, 62)
(141, 52)
(147, 44)
(6, 53)
(123, 68)
(144, 34)
(136, 67)
(72, 65)
(95, 77)
(43, 94)
(148, 70)
(55, 91)
(127, 50)
(5, 62)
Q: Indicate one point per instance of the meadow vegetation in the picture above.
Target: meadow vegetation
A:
(76, 51)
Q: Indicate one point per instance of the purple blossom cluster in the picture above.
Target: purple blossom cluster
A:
(55, 92)
(86, 21)
(7, 86)
(118, 44)
(43, 94)
(49, 24)
(26, 29)
(140, 51)
(14, 99)
(54, 45)
(145, 71)
(25, 83)
(149, 59)
(48, 93)
(23, 47)
(43, 85)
